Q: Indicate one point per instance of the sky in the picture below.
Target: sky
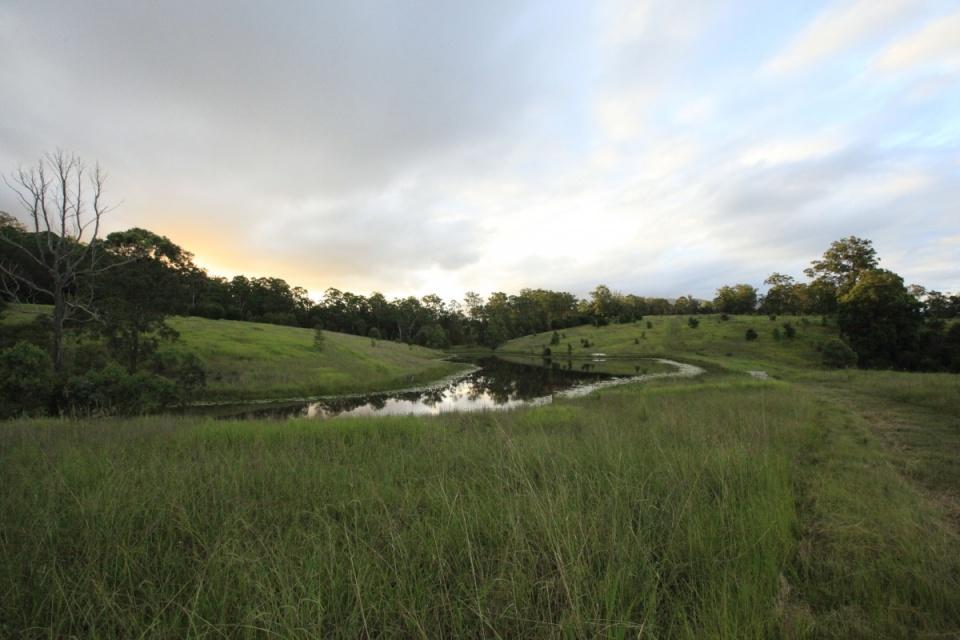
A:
(410, 147)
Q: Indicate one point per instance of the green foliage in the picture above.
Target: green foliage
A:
(789, 330)
(740, 298)
(649, 325)
(843, 263)
(751, 334)
(881, 320)
(693, 323)
(837, 354)
(26, 380)
(776, 333)
(555, 339)
(433, 337)
(113, 390)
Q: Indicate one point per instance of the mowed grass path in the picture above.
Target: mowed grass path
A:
(689, 510)
(719, 341)
(248, 360)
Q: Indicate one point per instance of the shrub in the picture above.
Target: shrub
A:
(26, 380)
(837, 354)
(789, 330)
(636, 341)
(649, 325)
(113, 390)
(546, 353)
(555, 339)
(776, 333)
(693, 322)
(724, 317)
(182, 368)
(773, 317)
(751, 334)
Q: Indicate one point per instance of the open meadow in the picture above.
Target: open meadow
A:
(719, 506)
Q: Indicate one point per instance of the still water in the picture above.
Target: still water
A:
(495, 383)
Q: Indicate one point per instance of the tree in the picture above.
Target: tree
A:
(782, 295)
(134, 300)
(63, 202)
(844, 262)
(880, 319)
(740, 298)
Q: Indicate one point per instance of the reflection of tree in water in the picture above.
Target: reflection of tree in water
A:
(500, 380)
(432, 397)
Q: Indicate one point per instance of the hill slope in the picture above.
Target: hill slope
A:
(720, 341)
(252, 361)
(247, 360)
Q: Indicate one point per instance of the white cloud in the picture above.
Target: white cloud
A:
(838, 29)
(935, 46)
(787, 150)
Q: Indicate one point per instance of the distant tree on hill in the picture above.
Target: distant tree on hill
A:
(844, 262)
(740, 298)
(783, 296)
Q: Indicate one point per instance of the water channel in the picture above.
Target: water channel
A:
(492, 384)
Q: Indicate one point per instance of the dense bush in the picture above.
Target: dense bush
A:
(26, 380)
(693, 322)
(837, 354)
(113, 390)
(751, 334)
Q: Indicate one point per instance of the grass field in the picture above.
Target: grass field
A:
(825, 504)
(689, 510)
(714, 340)
(252, 361)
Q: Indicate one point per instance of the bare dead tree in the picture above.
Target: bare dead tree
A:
(63, 203)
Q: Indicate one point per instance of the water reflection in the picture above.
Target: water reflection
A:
(498, 384)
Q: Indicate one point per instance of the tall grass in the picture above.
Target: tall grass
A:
(687, 512)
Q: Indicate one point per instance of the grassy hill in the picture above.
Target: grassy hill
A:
(251, 361)
(714, 340)
(248, 360)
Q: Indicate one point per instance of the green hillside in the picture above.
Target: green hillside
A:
(247, 360)
(714, 340)
(252, 361)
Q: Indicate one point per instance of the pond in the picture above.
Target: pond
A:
(493, 383)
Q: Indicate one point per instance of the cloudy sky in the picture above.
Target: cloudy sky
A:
(662, 148)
